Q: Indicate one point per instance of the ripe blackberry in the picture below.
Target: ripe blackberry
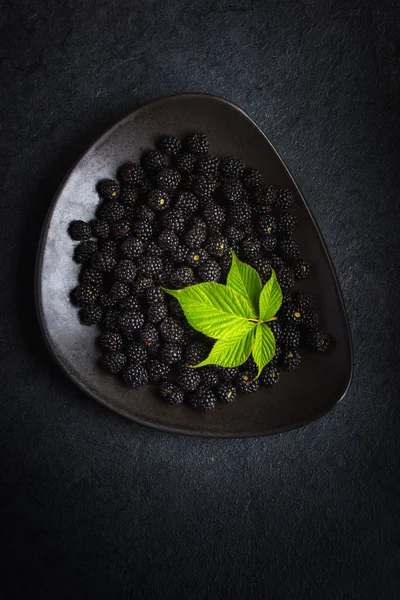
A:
(168, 178)
(246, 383)
(151, 266)
(111, 212)
(276, 329)
(136, 353)
(226, 392)
(157, 370)
(266, 225)
(301, 269)
(101, 229)
(208, 166)
(252, 178)
(86, 294)
(183, 276)
(217, 245)
(275, 359)
(111, 319)
(84, 251)
(90, 315)
(130, 320)
(132, 247)
(79, 230)
(129, 196)
(175, 307)
(284, 200)
(188, 379)
(135, 375)
(131, 173)
(107, 300)
(171, 330)
(143, 230)
(285, 278)
(233, 234)
(204, 187)
(290, 337)
(292, 314)
(119, 290)
(277, 261)
(111, 341)
(232, 191)
(286, 223)
(158, 200)
(178, 256)
(171, 392)
(154, 249)
(269, 243)
(174, 220)
(145, 213)
(287, 298)
(108, 189)
(318, 340)
(185, 162)
(187, 203)
(102, 261)
(225, 263)
(209, 376)
(195, 353)
(121, 228)
(227, 374)
(250, 248)
(170, 145)
(269, 376)
(197, 143)
(214, 215)
(310, 318)
(154, 160)
(155, 294)
(168, 240)
(196, 257)
(113, 361)
(203, 399)
(171, 353)
(210, 271)
(304, 300)
(125, 271)
(263, 267)
(289, 249)
(109, 247)
(149, 336)
(290, 359)
(156, 312)
(195, 237)
(231, 167)
(240, 214)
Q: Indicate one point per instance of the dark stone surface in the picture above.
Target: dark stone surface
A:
(95, 507)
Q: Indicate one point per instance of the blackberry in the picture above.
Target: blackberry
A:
(79, 230)
(292, 314)
(227, 374)
(129, 196)
(266, 225)
(290, 337)
(263, 267)
(131, 173)
(301, 269)
(208, 166)
(121, 229)
(168, 179)
(102, 261)
(275, 359)
(286, 223)
(185, 162)
(276, 329)
(91, 315)
(284, 200)
(151, 266)
(84, 251)
(195, 353)
(149, 336)
(233, 234)
(196, 257)
(204, 187)
(111, 341)
(277, 261)
(304, 300)
(203, 399)
(197, 143)
(188, 379)
(287, 298)
(154, 160)
(225, 263)
(171, 330)
(318, 340)
(135, 375)
(111, 212)
(209, 376)
(113, 361)
(217, 245)
(240, 214)
(210, 271)
(171, 392)
(246, 384)
(145, 188)
(119, 290)
(231, 167)
(195, 237)
(251, 248)
(171, 353)
(232, 191)
(270, 194)
(198, 223)
(187, 181)
(168, 240)
(125, 271)
(226, 392)
(136, 353)
(158, 200)
(132, 247)
(214, 215)
(187, 203)
(130, 320)
(109, 247)
(157, 370)
(175, 307)
(290, 359)
(183, 276)
(285, 278)
(289, 249)
(145, 213)
(157, 312)
(108, 189)
(269, 376)
(155, 294)
(310, 318)
(107, 300)
(170, 145)
(101, 229)
(252, 178)
(111, 319)
(174, 220)
(130, 303)
(143, 230)
(86, 294)
(249, 368)
(269, 243)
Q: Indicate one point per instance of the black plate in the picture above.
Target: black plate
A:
(301, 396)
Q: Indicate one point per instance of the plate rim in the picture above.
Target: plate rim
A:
(159, 426)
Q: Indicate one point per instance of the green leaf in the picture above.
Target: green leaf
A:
(232, 352)
(270, 298)
(215, 310)
(245, 280)
(264, 346)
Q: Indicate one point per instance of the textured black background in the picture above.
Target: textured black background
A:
(96, 507)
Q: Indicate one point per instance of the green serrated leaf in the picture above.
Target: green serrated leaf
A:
(232, 352)
(270, 298)
(215, 310)
(245, 280)
(264, 347)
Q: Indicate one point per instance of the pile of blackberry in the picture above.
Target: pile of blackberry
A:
(171, 221)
